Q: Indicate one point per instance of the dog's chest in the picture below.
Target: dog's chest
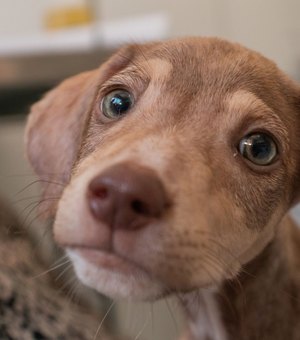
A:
(205, 322)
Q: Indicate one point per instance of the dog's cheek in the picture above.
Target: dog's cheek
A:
(195, 246)
(239, 241)
(207, 246)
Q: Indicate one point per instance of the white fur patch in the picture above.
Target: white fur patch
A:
(205, 322)
(113, 283)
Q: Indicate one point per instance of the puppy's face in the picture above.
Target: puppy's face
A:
(177, 161)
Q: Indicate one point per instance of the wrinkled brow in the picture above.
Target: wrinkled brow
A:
(130, 77)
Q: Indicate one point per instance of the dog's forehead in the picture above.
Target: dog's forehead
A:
(205, 72)
(209, 66)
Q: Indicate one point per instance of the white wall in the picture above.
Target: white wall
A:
(20, 17)
(269, 26)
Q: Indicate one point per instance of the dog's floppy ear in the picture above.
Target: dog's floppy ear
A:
(56, 123)
(291, 90)
(296, 145)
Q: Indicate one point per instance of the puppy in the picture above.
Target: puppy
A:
(170, 170)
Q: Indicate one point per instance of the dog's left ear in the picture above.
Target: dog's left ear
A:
(53, 133)
(56, 123)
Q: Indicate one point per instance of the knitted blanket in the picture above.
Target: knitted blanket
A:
(30, 308)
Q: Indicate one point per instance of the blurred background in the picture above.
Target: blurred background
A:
(43, 42)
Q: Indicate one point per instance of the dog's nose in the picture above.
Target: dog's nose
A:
(127, 196)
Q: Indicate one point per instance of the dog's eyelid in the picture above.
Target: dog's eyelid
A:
(127, 79)
(134, 86)
(107, 88)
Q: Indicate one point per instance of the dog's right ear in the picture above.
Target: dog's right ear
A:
(291, 90)
(56, 123)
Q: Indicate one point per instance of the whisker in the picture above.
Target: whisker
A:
(219, 244)
(172, 315)
(223, 265)
(29, 205)
(103, 319)
(59, 260)
(63, 272)
(152, 319)
(37, 181)
(18, 175)
(69, 283)
(51, 269)
(25, 199)
(38, 244)
(35, 205)
(143, 327)
(25, 222)
(72, 295)
(129, 315)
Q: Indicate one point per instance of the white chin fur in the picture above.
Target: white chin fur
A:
(112, 283)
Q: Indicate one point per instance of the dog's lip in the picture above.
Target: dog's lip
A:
(109, 260)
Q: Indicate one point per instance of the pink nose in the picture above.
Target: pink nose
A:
(126, 196)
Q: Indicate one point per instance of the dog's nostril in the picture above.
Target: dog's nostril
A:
(101, 193)
(140, 207)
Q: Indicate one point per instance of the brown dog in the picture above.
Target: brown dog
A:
(173, 166)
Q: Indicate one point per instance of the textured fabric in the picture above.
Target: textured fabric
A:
(30, 308)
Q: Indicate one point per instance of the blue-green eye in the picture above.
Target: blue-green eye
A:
(116, 104)
(258, 148)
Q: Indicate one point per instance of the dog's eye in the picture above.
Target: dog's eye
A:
(116, 103)
(258, 148)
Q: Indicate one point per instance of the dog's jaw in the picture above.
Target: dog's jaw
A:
(119, 279)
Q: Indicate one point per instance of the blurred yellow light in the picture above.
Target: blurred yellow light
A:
(68, 17)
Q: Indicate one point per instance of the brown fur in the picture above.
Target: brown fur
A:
(195, 99)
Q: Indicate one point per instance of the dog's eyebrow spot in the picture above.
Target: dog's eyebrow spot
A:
(154, 70)
(158, 69)
(245, 101)
(244, 105)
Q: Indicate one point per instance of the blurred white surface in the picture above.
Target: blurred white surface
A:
(270, 26)
(143, 28)
(104, 35)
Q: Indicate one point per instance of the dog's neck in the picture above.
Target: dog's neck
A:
(263, 303)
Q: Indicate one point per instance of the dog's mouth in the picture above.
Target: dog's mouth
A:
(109, 260)
(113, 274)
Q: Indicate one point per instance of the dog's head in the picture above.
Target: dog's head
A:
(170, 166)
